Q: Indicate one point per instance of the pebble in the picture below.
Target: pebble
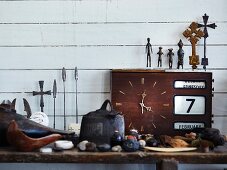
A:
(46, 150)
(130, 145)
(82, 145)
(116, 148)
(63, 144)
(104, 147)
(90, 147)
(152, 142)
(142, 143)
(116, 139)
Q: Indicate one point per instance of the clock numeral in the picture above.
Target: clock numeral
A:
(142, 80)
(163, 116)
(118, 104)
(130, 125)
(154, 84)
(191, 104)
(130, 83)
(154, 125)
(121, 92)
(163, 92)
(141, 129)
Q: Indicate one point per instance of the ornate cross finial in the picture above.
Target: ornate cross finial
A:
(193, 34)
(41, 93)
(205, 25)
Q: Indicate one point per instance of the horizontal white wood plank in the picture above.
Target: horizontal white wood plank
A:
(220, 123)
(219, 104)
(101, 34)
(220, 80)
(104, 57)
(110, 11)
(27, 80)
(89, 80)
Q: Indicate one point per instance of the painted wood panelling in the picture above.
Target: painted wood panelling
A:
(38, 38)
(47, 11)
(100, 57)
(100, 34)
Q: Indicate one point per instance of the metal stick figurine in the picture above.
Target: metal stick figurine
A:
(160, 53)
(54, 96)
(76, 78)
(170, 54)
(64, 79)
(41, 93)
(148, 51)
(180, 54)
(205, 25)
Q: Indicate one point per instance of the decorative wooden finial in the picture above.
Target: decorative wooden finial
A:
(193, 34)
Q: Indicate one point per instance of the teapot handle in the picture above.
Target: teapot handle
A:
(104, 105)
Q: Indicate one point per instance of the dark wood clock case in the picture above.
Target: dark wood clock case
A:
(153, 102)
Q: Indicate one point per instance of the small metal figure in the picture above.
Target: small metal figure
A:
(170, 54)
(64, 79)
(160, 53)
(180, 54)
(148, 51)
(205, 25)
(41, 93)
(54, 96)
(193, 34)
(76, 78)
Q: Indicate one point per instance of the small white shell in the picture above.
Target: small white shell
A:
(116, 148)
(142, 143)
(40, 117)
(63, 144)
(82, 145)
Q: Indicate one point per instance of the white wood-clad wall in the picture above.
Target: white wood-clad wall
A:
(38, 38)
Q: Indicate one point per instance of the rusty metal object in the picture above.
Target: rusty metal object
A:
(54, 96)
(22, 142)
(170, 54)
(160, 53)
(64, 79)
(76, 78)
(205, 26)
(180, 54)
(41, 93)
(193, 34)
(148, 51)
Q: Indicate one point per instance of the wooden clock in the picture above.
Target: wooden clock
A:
(160, 102)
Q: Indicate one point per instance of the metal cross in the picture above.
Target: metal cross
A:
(205, 25)
(41, 93)
(193, 34)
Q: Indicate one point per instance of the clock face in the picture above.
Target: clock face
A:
(154, 102)
(143, 100)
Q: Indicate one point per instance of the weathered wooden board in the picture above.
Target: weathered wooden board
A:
(100, 34)
(110, 11)
(100, 57)
(27, 80)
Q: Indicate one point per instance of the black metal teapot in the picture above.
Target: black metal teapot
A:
(99, 126)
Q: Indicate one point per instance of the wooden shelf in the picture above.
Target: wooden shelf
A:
(8, 155)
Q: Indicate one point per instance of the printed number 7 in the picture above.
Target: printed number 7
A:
(191, 104)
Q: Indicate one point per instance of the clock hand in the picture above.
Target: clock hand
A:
(143, 105)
